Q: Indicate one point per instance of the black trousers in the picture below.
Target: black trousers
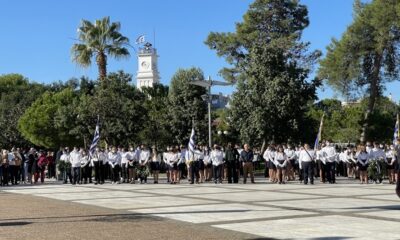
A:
(330, 171)
(115, 173)
(87, 173)
(124, 172)
(232, 167)
(308, 171)
(13, 170)
(99, 172)
(194, 171)
(218, 173)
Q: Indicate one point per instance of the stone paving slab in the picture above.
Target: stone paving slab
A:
(219, 212)
(322, 227)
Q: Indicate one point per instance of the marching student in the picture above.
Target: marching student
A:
(124, 164)
(269, 156)
(155, 164)
(200, 151)
(75, 159)
(182, 170)
(132, 164)
(231, 161)
(173, 164)
(207, 164)
(329, 156)
(217, 158)
(280, 161)
(166, 156)
(320, 162)
(11, 167)
(363, 158)
(391, 163)
(98, 159)
(144, 159)
(114, 161)
(86, 168)
(246, 157)
(307, 163)
(291, 155)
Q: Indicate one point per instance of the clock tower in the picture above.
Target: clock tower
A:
(147, 74)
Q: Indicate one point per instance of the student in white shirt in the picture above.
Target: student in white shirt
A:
(75, 159)
(124, 164)
(363, 158)
(98, 159)
(391, 162)
(329, 157)
(144, 159)
(132, 164)
(269, 156)
(114, 161)
(155, 164)
(217, 158)
(86, 167)
(173, 160)
(280, 161)
(307, 163)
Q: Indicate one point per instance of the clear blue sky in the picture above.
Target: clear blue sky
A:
(37, 35)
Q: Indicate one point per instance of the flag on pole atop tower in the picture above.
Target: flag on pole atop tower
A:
(140, 39)
(316, 144)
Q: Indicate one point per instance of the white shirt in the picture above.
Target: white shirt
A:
(291, 154)
(269, 155)
(217, 157)
(306, 156)
(64, 157)
(363, 158)
(125, 156)
(114, 159)
(11, 159)
(378, 154)
(329, 154)
(144, 156)
(280, 157)
(75, 158)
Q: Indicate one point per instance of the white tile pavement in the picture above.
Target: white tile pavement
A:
(291, 211)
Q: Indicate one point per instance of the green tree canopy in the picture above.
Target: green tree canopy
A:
(367, 55)
(16, 95)
(271, 66)
(186, 106)
(100, 40)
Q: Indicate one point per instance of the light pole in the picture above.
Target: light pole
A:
(208, 84)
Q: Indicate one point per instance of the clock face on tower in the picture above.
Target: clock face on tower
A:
(145, 65)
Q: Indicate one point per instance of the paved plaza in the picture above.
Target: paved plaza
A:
(346, 210)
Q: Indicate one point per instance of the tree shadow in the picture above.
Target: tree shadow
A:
(12, 224)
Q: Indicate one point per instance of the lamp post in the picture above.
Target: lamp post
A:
(208, 97)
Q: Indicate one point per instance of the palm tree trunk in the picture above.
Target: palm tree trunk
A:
(374, 92)
(101, 60)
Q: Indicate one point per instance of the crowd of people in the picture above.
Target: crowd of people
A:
(282, 163)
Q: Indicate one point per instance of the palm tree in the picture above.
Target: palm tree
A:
(99, 40)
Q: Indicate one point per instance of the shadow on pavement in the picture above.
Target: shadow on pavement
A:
(12, 224)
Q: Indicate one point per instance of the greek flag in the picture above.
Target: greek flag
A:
(191, 145)
(96, 139)
(316, 144)
(140, 39)
(396, 131)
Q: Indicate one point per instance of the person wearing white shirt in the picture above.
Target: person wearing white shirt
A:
(269, 156)
(12, 167)
(114, 161)
(132, 164)
(291, 155)
(217, 158)
(86, 167)
(307, 163)
(75, 159)
(363, 158)
(280, 160)
(329, 157)
(98, 160)
(391, 162)
(124, 164)
(207, 164)
(173, 160)
(144, 159)
(155, 160)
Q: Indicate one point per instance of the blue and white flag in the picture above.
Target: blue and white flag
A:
(396, 130)
(191, 145)
(316, 144)
(96, 139)
(140, 39)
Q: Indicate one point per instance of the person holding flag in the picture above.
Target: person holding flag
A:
(192, 159)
